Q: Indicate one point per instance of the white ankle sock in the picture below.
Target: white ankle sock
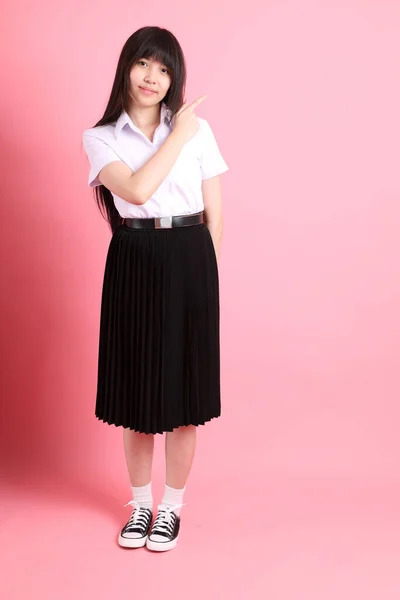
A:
(172, 497)
(143, 495)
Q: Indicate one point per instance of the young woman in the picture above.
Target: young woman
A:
(155, 169)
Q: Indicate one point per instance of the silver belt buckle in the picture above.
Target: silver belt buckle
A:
(163, 222)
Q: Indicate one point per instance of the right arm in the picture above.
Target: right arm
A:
(137, 187)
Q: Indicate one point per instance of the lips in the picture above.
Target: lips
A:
(147, 89)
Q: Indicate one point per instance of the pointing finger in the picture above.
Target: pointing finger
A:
(197, 102)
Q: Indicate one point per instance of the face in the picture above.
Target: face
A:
(151, 74)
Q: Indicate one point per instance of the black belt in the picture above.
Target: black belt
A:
(165, 222)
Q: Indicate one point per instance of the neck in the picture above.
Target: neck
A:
(145, 116)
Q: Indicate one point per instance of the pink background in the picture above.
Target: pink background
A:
(295, 492)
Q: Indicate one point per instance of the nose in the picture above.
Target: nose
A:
(151, 77)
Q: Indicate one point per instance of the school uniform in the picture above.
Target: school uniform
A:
(159, 354)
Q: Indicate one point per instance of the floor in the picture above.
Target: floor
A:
(284, 538)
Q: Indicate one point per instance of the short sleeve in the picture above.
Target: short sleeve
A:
(99, 154)
(211, 161)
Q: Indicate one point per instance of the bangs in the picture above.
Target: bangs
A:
(159, 53)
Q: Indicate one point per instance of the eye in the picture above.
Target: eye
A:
(143, 62)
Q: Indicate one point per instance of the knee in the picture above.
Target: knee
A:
(184, 430)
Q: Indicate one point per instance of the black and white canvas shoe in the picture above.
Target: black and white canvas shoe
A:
(164, 532)
(134, 533)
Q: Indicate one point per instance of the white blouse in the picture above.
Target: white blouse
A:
(180, 193)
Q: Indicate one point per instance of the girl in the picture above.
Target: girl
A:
(155, 168)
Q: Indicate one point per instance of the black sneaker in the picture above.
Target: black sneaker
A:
(165, 529)
(135, 532)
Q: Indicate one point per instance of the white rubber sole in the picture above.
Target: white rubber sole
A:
(161, 546)
(132, 542)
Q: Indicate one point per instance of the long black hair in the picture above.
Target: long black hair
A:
(147, 42)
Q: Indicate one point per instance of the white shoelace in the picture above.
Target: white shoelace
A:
(138, 517)
(164, 520)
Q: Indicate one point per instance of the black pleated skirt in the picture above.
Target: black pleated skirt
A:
(159, 353)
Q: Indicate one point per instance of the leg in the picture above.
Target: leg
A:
(139, 448)
(179, 452)
(180, 446)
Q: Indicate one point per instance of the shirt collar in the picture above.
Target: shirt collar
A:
(124, 119)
